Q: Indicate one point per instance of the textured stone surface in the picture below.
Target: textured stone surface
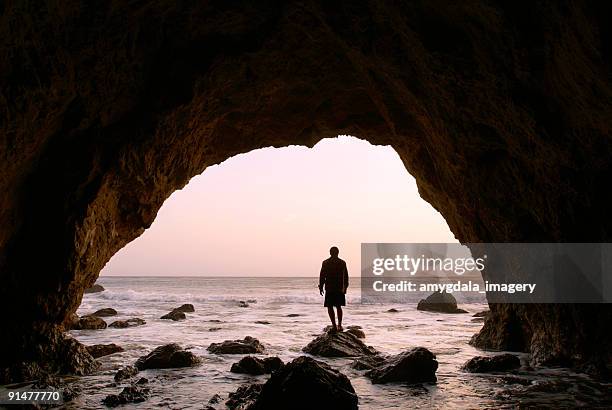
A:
(441, 302)
(106, 312)
(167, 356)
(256, 366)
(125, 373)
(247, 345)
(131, 322)
(498, 363)
(303, 383)
(501, 113)
(417, 365)
(103, 349)
(338, 344)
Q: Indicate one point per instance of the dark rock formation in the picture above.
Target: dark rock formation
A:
(174, 315)
(106, 312)
(354, 330)
(483, 313)
(131, 322)
(126, 373)
(417, 365)
(96, 288)
(303, 383)
(256, 366)
(186, 308)
(367, 362)
(167, 356)
(393, 310)
(103, 350)
(293, 315)
(498, 363)
(243, 304)
(441, 302)
(338, 344)
(107, 111)
(262, 322)
(248, 345)
(129, 394)
(245, 397)
(89, 322)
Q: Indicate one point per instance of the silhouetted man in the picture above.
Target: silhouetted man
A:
(334, 276)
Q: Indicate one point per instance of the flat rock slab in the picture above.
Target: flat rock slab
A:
(417, 365)
(440, 302)
(103, 349)
(304, 383)
(122, 324)
(95, 289)
(256, 366)
(174, 315)
(106, 312)
(498, 363)
(338, 344)
(167, 356)
(248, 345)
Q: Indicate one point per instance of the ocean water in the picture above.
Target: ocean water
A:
(219, 317)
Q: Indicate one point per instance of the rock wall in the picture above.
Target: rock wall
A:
(501, 113)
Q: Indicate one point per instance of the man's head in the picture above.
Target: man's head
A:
(333, 251)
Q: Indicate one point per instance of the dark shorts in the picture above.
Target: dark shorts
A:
(334, 298)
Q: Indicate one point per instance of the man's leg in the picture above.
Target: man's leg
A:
(332, 316)
(339, 317)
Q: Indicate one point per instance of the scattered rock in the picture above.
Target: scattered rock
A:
(417, 365)
(262, 322)
(130, 394)
(477, 320)
(131, 322)
(244, 397)
(174, 315)
(393, 310)
(498, 363)
(214, 329)
(106, 312)
(256, 366)
(338, 344)
(103, 350)
(126, 372)
(243, 304)
(167, 356)
(367, 362)
(246, 346)
(70, 393)
(293, 315)
(142, 380)
(484, 313)
(95, 289)
(440, 302)
(214, 399)
(251, 300)
(89, 323)
(304, 383)
(186, 308)
(215, 321)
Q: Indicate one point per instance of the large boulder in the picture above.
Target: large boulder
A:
(131, 322)
(106, 312)
(338, 344)
(89, 323)
(185, 308)
(248, 345)
(175, 315)
(167, 356)
(126, 372)
(302, 384)
(130, 394)
(94, 289)
(256, 366)
(367, 362)
(103, 349)
(417, 365)
(498, 363)
(440, 302)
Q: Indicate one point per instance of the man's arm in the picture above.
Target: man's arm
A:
(346, 278)
(321, 279)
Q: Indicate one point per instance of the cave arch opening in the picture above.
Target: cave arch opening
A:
(276, 211)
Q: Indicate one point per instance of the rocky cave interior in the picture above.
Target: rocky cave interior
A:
(501, 114)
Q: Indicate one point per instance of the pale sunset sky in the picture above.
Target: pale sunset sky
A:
(277, 211)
